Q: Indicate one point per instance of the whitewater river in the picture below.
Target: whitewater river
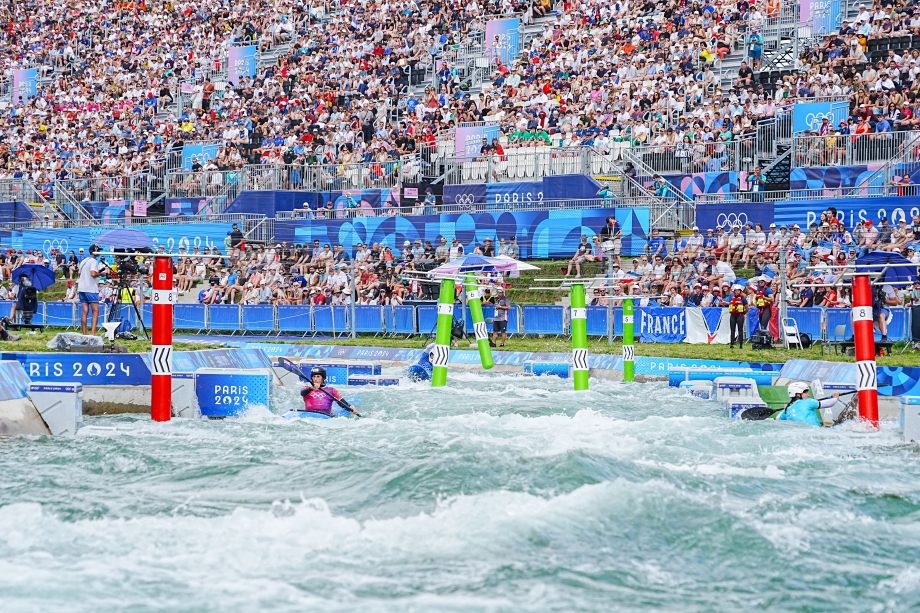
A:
(498, 493)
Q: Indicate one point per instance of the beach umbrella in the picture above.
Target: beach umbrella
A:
(518, 265)
(474, 263)
(40, 276)
(887, 267)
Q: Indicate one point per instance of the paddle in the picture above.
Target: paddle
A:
(289, 366)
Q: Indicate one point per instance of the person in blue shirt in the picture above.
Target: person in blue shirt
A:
(802, 407)
(422, 369)
(656, 245)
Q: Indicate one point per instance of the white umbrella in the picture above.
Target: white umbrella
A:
(518, 265)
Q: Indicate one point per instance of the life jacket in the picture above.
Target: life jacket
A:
(737, 305)
(760, 301)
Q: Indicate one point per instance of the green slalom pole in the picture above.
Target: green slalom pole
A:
(441, 352)
(629, 353)
(579, 336)
(474, 299)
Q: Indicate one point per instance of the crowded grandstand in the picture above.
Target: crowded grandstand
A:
(184, 107)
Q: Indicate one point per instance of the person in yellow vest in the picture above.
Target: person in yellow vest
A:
(763, 300)
(737, 310)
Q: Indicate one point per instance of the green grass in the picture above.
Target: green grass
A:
(37, 342)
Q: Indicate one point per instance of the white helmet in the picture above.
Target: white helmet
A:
(796, 388)
(430, 348)
(737, 286)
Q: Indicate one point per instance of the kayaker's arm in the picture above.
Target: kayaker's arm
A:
(826, 403)
(342, 403)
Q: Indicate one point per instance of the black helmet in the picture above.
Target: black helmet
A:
(318, 370)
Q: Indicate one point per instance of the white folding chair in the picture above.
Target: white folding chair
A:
(791, 334)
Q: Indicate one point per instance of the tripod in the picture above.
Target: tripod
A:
(125, 296)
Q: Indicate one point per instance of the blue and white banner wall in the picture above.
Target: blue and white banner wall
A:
(71, 239)
(539, 234)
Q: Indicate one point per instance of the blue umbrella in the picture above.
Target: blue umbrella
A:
(889, 265)
(124, 238)
(41, 276)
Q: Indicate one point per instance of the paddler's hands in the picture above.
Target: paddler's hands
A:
(835, 395)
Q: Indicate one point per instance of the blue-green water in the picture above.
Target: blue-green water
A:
(498, 493)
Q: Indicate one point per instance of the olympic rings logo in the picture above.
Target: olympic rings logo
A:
(813, 120)
(58, 245)
(465, 199)
(731, 220)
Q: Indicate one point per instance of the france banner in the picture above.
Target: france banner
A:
(241, 62)
(25, 82)
(709, 326)
(662, 325)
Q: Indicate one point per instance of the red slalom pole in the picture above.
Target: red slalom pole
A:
(161, 371)
(864, 344)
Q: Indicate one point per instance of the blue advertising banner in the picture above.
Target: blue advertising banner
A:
(539, 234)
(85, 368)
(662, 325)
(25, 84)
(733, 214)
(14, 383)
(172, 237)
(241, 62)
(468, 139)
(201, 152)
(190, 361)
(502, 39)
(225, 394)
(809, 116)
(850, 210)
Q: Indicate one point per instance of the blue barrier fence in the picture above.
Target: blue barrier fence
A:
(529, 319)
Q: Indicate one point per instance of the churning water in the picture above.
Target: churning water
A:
(497, 493)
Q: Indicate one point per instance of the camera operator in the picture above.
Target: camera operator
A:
(88, 287)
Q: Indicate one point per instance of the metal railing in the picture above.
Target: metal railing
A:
(101, 189)
(199, 184)
(865, 191)
(853, 149)
(518, 164)
(685, 158)
(249, 220)
(482, 205)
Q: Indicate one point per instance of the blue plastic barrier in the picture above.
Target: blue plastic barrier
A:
(368, 319)
(258, 318)
(898, 326)
(544, 319)
(294, 318)
(403, 320)
(60, 314)
(224, 318)
(488, 312)
(427, 318)
(147, 314)
(597, 321)
(329, 319)
(189, 317)
(839, 317)
(808, 320)
(389, 326)
(121, 312)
